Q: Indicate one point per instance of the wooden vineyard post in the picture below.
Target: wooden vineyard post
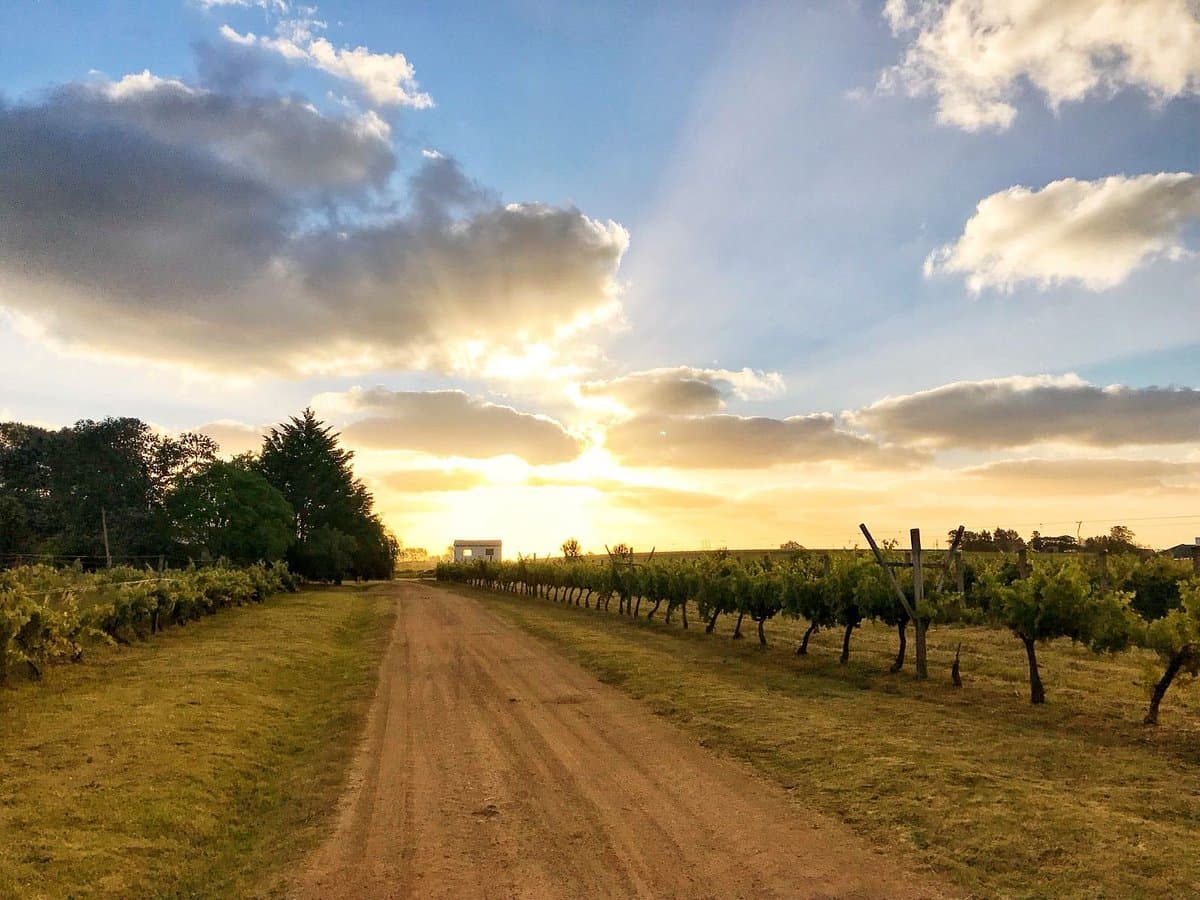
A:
(104, 526)
(960, 573)
(951, 555)
(921, 622)
(1022, 563)
(899, 596)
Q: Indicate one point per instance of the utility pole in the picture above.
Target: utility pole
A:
(104, 525)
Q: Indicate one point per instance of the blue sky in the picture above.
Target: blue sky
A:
(780, 194)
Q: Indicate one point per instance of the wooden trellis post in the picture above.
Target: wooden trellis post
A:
(920, 623)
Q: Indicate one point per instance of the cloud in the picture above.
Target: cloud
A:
(643, 497)
(278, 6)
(681, 390)
(122, 238)
(282, 141)
(736, 442)
(1085, 476)
(234, 437)
(229, 68)
(975, 55)
(448, 423)
(386, 79)
(420, 481)
(1021, 411)
(1092, 232)
(631, 495)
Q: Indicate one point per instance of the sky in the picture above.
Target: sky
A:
(683, 275)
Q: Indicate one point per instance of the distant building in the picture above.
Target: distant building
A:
(1181, 551)
(465, 551)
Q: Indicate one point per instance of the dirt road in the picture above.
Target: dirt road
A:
(493, 767)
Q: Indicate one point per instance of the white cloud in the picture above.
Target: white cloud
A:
(277, 6)
(447, 423)
(387, 79)
(681, 390)
(975, 55)
(1022, 411)
(1091, 232)
(135, 85)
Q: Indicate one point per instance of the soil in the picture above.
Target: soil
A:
(492, 766)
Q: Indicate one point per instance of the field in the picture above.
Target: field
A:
(203, 762)
(209, 759)
(1070, 799)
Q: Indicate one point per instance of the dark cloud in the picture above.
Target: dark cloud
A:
(449, 423)
(229, 68)
(282, 141)
(1018, 411)
(146, 219)
(438, 191)
(736, 442)
(99, 207)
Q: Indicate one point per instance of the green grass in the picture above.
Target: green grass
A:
(204, 762)
(1072, 799)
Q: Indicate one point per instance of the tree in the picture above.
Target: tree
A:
(809, 594)
(1120, 539)
(757, 594)
(337, 533)
(715, 595)
(1055, 603)
(1007, 540)
(571, 549)
(1155, 583)
(68, 481)
(1176, 639)
(1063, 543)
(14, 526)
(979, 541)
(230, 510)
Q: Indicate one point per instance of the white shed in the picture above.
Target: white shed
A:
(465, 551)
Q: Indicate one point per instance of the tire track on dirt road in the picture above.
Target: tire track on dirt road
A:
(493, 767)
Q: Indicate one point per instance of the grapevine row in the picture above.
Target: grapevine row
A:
(1125, 601)
(48, 615)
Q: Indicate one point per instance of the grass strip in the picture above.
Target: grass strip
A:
(203, 763)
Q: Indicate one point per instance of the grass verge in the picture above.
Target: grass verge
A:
(1073, 799)
(201, 763)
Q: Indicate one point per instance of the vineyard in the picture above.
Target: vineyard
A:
(1106, 603)
(50, 615)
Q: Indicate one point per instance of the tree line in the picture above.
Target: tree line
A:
(117, 490)
(1120, 539)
